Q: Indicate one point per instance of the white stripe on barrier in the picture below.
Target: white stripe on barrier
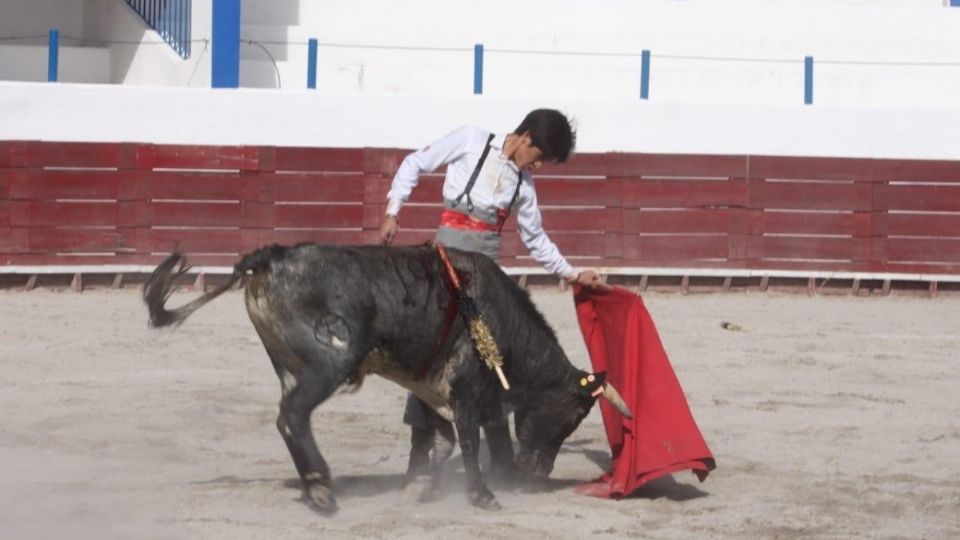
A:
(537, 271)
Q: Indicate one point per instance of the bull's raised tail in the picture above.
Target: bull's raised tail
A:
(159, 287)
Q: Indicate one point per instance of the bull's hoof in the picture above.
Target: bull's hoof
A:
(320, 498)
(430, 493)
(416, 487)
(506, 473)
(484, 499)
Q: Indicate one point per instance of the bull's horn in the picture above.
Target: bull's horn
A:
(611, 394)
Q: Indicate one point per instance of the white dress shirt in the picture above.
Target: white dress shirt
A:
(460, 151)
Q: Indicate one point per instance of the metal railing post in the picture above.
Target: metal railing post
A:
(645, 74)
(53, 55)
(478, 69)
(312, 63)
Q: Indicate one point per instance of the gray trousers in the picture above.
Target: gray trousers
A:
(484, 242)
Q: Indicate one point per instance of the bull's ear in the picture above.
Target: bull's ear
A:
(591, 384)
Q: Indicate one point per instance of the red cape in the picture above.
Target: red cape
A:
(662, 437)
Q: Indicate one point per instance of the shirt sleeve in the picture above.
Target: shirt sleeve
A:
(530, 223)
(440, 152)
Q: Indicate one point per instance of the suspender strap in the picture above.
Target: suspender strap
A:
(473, 177)
(504, 214)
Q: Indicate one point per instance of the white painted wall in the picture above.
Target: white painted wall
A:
(128, 51)
(36, 17)
(570, 49)
(67, 112)
(147, 59)
(559, 49)
(75, 64)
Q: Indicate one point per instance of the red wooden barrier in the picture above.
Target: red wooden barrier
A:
(91, 203)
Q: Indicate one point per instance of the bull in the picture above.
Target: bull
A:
(329, 315)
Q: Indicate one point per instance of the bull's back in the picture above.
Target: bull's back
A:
(364, 296)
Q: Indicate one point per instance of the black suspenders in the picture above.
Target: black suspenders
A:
(502, 214)
(473, 177)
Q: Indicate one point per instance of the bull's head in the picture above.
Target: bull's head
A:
(547, 418)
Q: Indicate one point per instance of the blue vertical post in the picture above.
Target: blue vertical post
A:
(478, 69)
(225, 56)
(312, 63)
(808, 80)
(53, 55)
(645, 74)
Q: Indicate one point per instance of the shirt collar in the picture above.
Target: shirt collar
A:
(497, 144)
(498, 141)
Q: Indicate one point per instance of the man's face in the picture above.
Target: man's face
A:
(527, 157)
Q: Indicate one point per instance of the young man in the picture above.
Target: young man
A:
(488, 176)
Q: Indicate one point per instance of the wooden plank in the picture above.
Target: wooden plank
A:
(676, 165)
(15, 154)
(192, 185)
(582, 220)
(912, 224)
(49, 213)
(902, 170)
(383, 161)
(645, 193)
(317, 187)
(812, 266)
(153, 156)
(6, 148)
(414, 238)
(576, 244)
(290, 238)
(192, 241)
(420, 217)
(656, 248)
(819, 223)
(70, 259)
(60, 239)
(922, 267)
(676, 221)
(792, 247)
(577, 192)
(319, 159)
(769, 195)
(14, 240)
(315, 216)
(41, 154)
(906, 250)
(32, 184)
(812, 168)
(187, 214)
(579, 164)
(429, 190)
(927, 198)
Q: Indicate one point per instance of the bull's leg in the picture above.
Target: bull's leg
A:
(502, 463)
(468, 430)
(301, 395)
(442, 440)
(496, 429)
(421, 437)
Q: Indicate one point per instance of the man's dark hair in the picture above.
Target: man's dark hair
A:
(551, 132)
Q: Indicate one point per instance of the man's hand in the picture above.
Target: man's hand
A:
(589, 278)
(388, 230)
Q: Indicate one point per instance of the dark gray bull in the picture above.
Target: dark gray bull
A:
(329, 315)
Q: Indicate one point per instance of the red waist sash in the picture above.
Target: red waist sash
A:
(456, 220)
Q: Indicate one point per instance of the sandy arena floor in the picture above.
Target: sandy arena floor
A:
(830, 417)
